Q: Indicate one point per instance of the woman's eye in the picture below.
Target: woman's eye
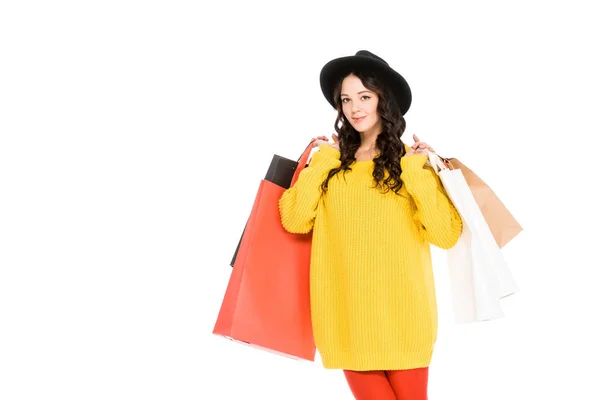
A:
(365, 97)
(344, 99)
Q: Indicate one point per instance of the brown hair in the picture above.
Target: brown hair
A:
(388, 141)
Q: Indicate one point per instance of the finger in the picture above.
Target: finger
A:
(335, 138)
(416, 139)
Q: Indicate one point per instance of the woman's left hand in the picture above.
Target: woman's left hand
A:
(420, 148)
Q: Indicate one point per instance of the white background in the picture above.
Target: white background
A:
(134, 136)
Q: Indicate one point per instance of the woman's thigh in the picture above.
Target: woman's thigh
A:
(369, 385)
(409, 384)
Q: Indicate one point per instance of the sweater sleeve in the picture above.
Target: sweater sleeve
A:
(298, 204)
(437, 218)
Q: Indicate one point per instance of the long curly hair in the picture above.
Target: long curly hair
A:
(388, 141)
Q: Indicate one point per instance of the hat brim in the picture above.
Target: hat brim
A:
(335, 69)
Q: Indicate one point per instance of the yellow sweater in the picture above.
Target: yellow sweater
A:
(372, 293)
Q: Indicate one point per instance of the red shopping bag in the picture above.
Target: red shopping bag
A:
(267, 303)
(281, 171)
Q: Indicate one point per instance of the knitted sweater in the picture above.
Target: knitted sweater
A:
(372, 294)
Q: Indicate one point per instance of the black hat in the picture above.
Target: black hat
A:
(365, 61)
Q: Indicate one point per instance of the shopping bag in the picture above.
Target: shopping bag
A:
(280, 172)
(503, 225)
(267, 303)
(478, 274)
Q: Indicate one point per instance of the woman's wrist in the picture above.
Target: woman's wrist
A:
(329, 150)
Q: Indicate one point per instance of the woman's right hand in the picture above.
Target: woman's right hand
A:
(319, 140)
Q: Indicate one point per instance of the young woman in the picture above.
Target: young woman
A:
(374, 208)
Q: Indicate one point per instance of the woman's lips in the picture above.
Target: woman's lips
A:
(358, 120)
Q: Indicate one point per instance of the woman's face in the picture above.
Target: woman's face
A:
(359, 105)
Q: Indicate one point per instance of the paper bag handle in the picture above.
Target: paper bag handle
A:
(438, 163)
(302, 161)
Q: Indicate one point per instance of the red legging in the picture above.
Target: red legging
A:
(410, 384)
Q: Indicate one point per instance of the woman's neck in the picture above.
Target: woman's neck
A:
(368, 139)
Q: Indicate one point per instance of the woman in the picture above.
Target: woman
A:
(374, 207)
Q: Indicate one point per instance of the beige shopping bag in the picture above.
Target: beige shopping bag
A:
(503, 225)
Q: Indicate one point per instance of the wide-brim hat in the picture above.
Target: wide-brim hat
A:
(365, 61)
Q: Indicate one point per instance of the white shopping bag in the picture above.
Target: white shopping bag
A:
(479, 276)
